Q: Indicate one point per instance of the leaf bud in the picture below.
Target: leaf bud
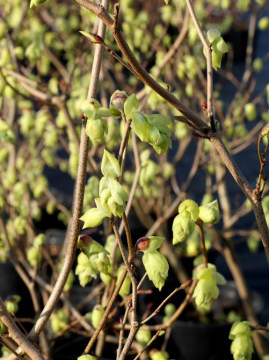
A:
(142, 244)
(117, 99)
(94, 38)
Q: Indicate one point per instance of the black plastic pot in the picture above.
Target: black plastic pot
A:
(193, 341)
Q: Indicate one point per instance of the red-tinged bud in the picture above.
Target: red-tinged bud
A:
(204, 105)
(117, 99)
(94, 38)
(142, 243)
(84, 240)
(186, 284)
(130, 304)
(134, 270)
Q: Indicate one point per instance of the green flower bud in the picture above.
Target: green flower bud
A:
(131, 106)
(143, 336)
(34, 256)
(263, 23)
(85, 270)
(86, 357)
(101, 261)
(59, 321)
(212, 35)
(183, 227)
(96, 129)
(97, 314)
(156, 267)
(3, 328)
(257, 65)
(240, 328)
(20, 224)
(206, 289)
(90, 107)
(126, 286)
(107, 277)
(170, 309)
(36, 2)
(168, 170)
(250, 111)
(12, 303)
(118, 99)
(3, 29)
(242, 347)
(190, 206)
(209, 213)
(158, 355)
(110, 166)
(39, 240)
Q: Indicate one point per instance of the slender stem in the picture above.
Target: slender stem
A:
(209, 69)
(202, 242)
(17, 336)
(77, 207)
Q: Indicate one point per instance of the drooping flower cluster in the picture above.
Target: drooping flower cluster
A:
(207, 289)
(188, 213)
(154, 129)
(112, 196)
(59, 321)
(96, 127)
(242, 345)
(92, 260)
(154, 262)
(34, 253)
(218, 46)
